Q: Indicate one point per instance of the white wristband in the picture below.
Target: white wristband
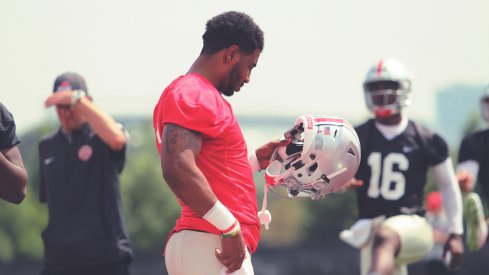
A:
(253, 160)
(220, 216)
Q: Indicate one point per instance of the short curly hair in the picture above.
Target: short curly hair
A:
(232, 28)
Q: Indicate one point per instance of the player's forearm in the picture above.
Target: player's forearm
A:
(179, 153)
(452, 197)
(13, 181)
(103, 124)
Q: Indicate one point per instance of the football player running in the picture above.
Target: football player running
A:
(396, 154)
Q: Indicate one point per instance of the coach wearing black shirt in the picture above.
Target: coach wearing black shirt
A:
(80, 164)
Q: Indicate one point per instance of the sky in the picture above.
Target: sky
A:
(315, 58)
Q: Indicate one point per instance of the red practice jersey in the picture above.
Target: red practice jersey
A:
(192, 102)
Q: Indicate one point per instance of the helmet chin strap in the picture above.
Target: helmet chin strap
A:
(273, 169)
(264, 215)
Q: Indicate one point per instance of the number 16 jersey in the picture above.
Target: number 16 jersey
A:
(394, 171)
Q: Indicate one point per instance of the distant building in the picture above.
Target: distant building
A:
(457, 108)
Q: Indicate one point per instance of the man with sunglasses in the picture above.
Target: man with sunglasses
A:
(396, 156)
(80, 164)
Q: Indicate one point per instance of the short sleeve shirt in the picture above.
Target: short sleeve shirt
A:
(79, 180)
(8, 137)
(192, 102)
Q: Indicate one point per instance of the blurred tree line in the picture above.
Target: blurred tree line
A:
(151, 208)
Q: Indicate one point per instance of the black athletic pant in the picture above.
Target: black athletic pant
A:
(117, 268)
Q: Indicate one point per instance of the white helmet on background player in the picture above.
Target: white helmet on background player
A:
(387, 88)
(323, 156)
(485, 104)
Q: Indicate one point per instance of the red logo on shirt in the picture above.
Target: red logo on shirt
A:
(85, 152)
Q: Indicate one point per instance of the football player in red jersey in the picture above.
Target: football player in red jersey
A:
(204, 157)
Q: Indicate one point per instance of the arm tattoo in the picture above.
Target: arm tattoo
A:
(177, 139)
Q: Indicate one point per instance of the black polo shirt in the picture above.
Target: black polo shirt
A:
(79, 181)
(8, 138)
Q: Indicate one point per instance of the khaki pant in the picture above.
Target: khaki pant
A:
(192, 253)
(416, 241)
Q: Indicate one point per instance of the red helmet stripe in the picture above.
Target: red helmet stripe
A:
(334, 120)
(348, 125)
(379, 66)
(328, 119)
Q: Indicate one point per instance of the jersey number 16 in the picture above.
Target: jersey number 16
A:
(385, 182)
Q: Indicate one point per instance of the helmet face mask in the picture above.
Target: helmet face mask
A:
(386, 102)
(387, 88)
(323, 156)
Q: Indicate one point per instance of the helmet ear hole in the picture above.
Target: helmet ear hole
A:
(312, 168)
(350, 151)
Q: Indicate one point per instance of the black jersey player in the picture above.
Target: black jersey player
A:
(396, 155)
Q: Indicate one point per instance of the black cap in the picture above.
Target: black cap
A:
(69, 81)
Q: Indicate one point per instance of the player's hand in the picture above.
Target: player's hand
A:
(465, 181)
(59, 98)
(353, 183)
(264, 153)
(455, 246)
(233, 252)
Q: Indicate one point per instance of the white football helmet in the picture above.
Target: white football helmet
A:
(485, 104)
(387, 88)
(323, 156)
